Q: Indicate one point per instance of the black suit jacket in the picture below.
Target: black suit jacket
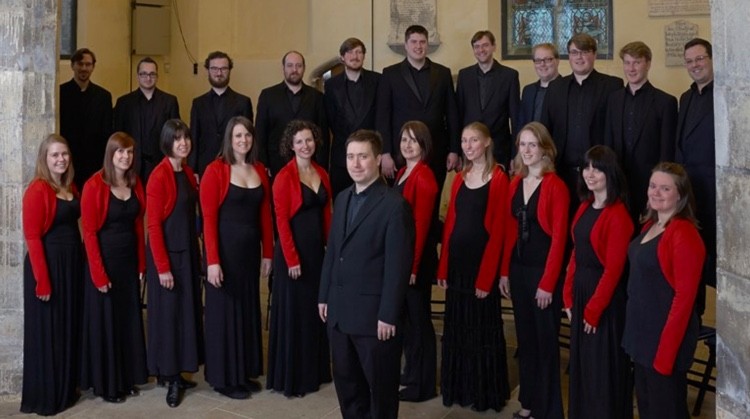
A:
(275, 112)
(501, 111)
(528, 100)
(342, 119)
(86, 123)
(207, 130)
(399, 102)
(367, 266)
(555, 110)
(654, 139)
(129, 118)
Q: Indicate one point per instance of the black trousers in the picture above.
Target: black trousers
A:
(660, 396)
(366, 374)
(420, 353)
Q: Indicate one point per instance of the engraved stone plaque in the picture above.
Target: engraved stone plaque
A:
(676, 34)
(405, 13)
(678, 8)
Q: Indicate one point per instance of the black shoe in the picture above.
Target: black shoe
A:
(409, 396)
(173, 394)
(253, 386)
(115, 399)
(133, 392)
(236, 393)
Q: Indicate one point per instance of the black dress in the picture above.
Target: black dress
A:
(474, 367)
(298, 354)
(175, 341)
(51, 345)
(234, 351)
(599, 367)
(113, 347)
(536, 329)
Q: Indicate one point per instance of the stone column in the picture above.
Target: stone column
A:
(28, 90)
(732, 113)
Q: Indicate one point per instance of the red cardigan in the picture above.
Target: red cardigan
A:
(420, 191)
(552, 212)
(94, 207)
(681, 254)
(610, 237)
(214, 188)
(161, 194)
(287, 200)
(39, 206)
(493, 223)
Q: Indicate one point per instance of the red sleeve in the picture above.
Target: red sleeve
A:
(210, 197)
(496, 203)
(511, 227)
(450, 221)
(327, 208)
(156, 201)
(37, 212)
(558, 205)
(91, 212)
(683, 256)
(613, 240)
(139, 233)
(571, 270)
(266, 221)
(424, 203)
(282, 206)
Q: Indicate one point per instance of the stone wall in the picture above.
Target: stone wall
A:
(28, 61)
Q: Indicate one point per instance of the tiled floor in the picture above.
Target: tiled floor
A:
(203, 402)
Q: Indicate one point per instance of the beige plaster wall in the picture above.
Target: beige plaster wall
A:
(256, 33)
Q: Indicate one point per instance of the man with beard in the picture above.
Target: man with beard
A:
(211, 111)
(350, 105)
(289, 100)
(142, 113)
(85, 116)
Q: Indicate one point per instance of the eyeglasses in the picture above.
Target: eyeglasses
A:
(698, 60)
(218, 69)
(579, 53)
(148, 75)
(547, 60)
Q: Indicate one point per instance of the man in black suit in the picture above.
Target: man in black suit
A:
(575, 109)
(350, 105)
(142, 113)
(488, 92)
(211, 111)
(419, 89)
(641, 124)
(546, 63)
(85, 116)
(695, 148)
(291, 99)
(363, 283)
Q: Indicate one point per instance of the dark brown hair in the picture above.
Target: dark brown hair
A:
(686, 204)
(78, 55)
(169, 132)
(351, 43)
(215, 55)
(481, 34)
(292, 128)
(583, 41)
(605, 160)
(366, 136)
(118, 140)
(421, 133)
(226, 152)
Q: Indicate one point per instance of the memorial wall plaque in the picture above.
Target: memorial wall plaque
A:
(676, 35)
(678, 8)
(405, 13)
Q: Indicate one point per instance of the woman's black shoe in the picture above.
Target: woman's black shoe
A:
(173, 394)
(253, 386)
(115, 399)
(236, 393)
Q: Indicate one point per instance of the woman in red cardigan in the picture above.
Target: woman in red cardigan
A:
(238, 234)
(594, 296)
(112, 207)
(474, 368)
(536, 235)
(661, 324)
(52, 278)
(173, 265)
(298, 352)
(417, 184)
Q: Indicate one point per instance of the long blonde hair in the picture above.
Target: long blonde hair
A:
(42, 170)
(489, 158)
(549, 150)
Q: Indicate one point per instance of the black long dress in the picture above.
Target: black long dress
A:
(599, 367)
(298, 353)
(113, 345)
(175, 341)
(51, 345)
(536, 330)
(234, 349)
(474, 367)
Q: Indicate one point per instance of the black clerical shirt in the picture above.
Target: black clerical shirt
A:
(580, 111)
(421, 79)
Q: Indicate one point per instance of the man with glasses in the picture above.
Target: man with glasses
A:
(546, 61)
(289, 100)
(85, 116)
(211, 111)
(575, 109)
(695, 149)
(488, 92)
(142, 113)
